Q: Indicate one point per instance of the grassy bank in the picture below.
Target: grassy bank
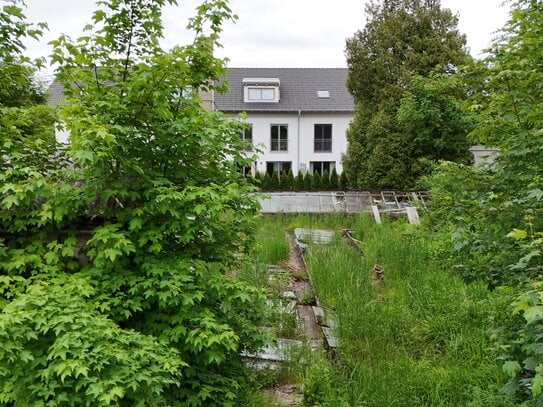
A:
(420, 338)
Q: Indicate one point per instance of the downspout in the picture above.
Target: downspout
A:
(298, 142)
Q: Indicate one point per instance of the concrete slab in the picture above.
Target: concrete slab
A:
(289, 295)
(314, 235)
(270, 357)
(332, 341)
(326, 317)
(412, 215)
(376, 214)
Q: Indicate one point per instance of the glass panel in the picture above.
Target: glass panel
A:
(323, 137)
(327, 131)
(248, 133)
(274, 132)
(255, 94)
(284, 132)
(267, 94)
(321, 166)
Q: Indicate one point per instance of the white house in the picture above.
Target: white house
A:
(298, 117)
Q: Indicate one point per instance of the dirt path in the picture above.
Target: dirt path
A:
(290, 394)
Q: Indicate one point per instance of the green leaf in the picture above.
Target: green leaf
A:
(510, 388)
(518, 234)
(511, 368)
(536, 194)
(533, 314)
(537, 385)
(135, 224)
(84, 156)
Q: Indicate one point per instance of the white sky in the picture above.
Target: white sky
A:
(272, 33)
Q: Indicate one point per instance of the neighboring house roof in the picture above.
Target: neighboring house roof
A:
(298, 90)
(56, 93)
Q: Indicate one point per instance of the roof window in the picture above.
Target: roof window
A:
(323, 94)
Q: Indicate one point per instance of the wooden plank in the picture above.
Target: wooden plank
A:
(376, 214)
(413, 215)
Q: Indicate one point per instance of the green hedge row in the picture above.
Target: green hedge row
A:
(286, 181)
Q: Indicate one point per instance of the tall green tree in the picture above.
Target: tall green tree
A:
(402, 38)
(26, 124)
(436, 118)
(496, 213)
(114, 279)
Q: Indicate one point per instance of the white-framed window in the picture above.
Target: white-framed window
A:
(323, 138)
(247, 171)
(247, 136)
(261, 90)
(321, 166)
(260, 94)
(278, 166)
(279, 137)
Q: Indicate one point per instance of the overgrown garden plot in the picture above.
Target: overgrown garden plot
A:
(421, 337)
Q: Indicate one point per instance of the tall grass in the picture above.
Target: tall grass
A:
(418, 339)
(271, 244)
(270, 247)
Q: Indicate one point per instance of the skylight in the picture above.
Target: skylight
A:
(323, 94)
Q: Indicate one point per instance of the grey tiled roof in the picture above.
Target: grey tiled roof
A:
(298, 90)
(55, 93)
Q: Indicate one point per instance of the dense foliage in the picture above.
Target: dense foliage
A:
(115, 257)
(287, 181)
(496, 212)
(403, 39)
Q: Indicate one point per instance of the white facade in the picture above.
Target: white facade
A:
(300, 152)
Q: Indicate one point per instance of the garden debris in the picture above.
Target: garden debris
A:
(277, 274)
(377, 275)
(326, 317)
(270, 357)
(376, 214)
(282, 305)
(331, 341)
(347, 234)
(313, 235)
(412, 215)
(306, 318)
(329, 323)
(287, 395)
(289, 295)
(337, 201)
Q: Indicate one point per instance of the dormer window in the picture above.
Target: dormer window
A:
(261, 90)
(261, 94)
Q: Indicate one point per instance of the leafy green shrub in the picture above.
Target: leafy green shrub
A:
(285, 183)
(308, 181)
(299, 184)
(266, 182)
(316, 181)
(274, 181)
(334, 180)
(290, 180)
(343, 184)
(58, 347)
(115, 270)
(318, 385)
(325, 181)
